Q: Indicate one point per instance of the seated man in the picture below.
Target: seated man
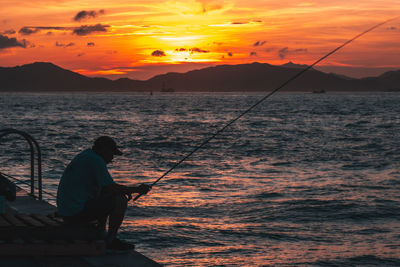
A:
(87, 192)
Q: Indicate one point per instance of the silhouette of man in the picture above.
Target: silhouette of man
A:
(87, 192)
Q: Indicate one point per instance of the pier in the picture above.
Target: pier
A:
(31, 235)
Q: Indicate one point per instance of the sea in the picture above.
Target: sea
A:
(301, 180)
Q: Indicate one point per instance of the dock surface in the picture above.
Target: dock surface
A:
(30, 235)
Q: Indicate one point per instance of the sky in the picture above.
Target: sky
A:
(141, 39)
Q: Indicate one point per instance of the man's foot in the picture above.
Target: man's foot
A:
(117, 244)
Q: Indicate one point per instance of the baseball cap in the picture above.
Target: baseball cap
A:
(107, 142)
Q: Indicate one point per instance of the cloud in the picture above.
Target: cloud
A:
(83, 15)
(285, 51)
(80, 54)
(238, 23)
(158, 53)
(90, 44)
(64, 45)
(259, 43)
(230, 54)
(28, 30)
(192, 50)
(81, 30)
(6, 42)
(8, 32)
(31, 30)
(88, 29)
(253, 54)
(198, 50)
(393, 28)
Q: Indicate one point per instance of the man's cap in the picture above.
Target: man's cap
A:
(107, 142)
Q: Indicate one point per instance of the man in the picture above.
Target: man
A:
(87, 192)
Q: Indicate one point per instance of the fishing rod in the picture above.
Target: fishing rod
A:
(207, 140)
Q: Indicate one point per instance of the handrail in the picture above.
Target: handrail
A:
(32, 144)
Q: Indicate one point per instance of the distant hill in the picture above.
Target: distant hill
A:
(290, 64)
(390, 81)
(41, 76)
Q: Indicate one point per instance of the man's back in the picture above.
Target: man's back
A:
(82, 180)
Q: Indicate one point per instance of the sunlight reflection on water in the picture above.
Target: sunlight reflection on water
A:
(303, 180)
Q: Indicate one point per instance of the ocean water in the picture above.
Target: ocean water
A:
(302, 180)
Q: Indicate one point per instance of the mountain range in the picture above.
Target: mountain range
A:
(43, 76)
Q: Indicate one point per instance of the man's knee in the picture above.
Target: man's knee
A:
(121, 201)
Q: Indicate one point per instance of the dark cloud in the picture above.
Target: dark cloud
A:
(80, 54)
(285, 51)
(158, 53)
(259, 43)
(253, 54)
(81, 31)
(64, 45)
(91, 44)
(8, 32)
(192, 50)
(393, 28)
(31, 30)
(83, 15)
(88, 29)
(49, 33)
(230, 54)
(28, 30)
(238, 23)
(198, 50)
(6, 42)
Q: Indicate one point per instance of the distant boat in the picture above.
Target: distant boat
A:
(322, 91)
(166, 89)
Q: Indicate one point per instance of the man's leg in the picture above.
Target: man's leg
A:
(101, 224)
(116, 216)
(98, 210)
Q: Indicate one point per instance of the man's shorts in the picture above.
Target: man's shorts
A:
(94, 209)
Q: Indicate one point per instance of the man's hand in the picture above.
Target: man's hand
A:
(115, 188)
(143, 189)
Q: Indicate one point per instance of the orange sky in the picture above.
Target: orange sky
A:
(139, 39)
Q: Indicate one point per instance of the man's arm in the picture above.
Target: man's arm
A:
(122, 189)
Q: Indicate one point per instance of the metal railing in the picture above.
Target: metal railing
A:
(33, 145)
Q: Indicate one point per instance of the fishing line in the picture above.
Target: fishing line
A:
(207, 140)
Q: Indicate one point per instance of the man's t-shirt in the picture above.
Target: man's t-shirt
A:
(82, 180)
